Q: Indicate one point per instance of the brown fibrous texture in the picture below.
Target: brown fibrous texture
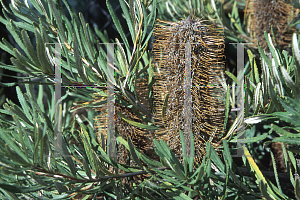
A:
(141, 138)
(263, 14)
(207, 63)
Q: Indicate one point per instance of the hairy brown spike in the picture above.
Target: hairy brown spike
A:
(207, 48)
(141, 138)
(263, 14)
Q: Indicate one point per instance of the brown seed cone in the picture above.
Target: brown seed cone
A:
(207, 48)
(263, 14)
(141, 138)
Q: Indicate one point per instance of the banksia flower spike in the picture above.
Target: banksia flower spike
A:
(263, 14)
(172, 39)
(141, 138)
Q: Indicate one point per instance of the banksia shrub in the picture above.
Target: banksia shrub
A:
(207, 50)
(263, 14)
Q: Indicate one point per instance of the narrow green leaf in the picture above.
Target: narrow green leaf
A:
(122, 59)
(251, 59)
(4, 7)
(227, 106)
(149, 161)
(235, 18)
(297, 188)
(165, 105)
(101, 166)
(226, 153)
(178, 171)
(13, 146)
(67, 157)
(187, 160)
(25, 15)
(171, 165)
(283, 139)
(143, 70)
(255, 71)
(263, 189)
(6, 46)
(225, 187)
(273, 34)
(192, 152)
(264, 57)
(43, 58)
(216, 159)
(128, 19)
(15, 32)
(286, 160)
(152, 15)
(284, 132)
(257, 98)
(290, 118)
(291, 152)
(160, 151)
(143, 157)
(68, 7)
(60, 187)
(117, 24)
(200, 173)
(233, 78)
(183, 145)
(43, 146)
(24, 61)
(57, 18)
(87, 168)
(11, 68)
(16, 110)
(208, 168)
(272, 48)
(277, 78)
(296, 53)
(79, 65)
(20, 189)
(254, 139)
(133, 154)
(144, 126)
(88, 149)
(102, 37)
(171, 156)
(291, 105)
(40, 98)
(273, 96)
(131, 99)
(144, 21)
(76, 31)
(289, 81)
(183, 196)
(87, 38)
(23, 103)
(133, 15)
(275, 171)
(29, 50)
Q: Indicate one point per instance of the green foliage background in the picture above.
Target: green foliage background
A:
(30, 167)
